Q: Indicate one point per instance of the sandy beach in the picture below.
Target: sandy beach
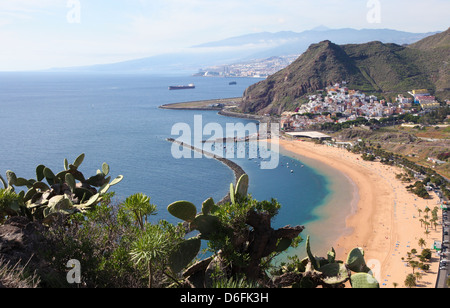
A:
(385, 219)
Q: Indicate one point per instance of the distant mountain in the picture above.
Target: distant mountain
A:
(187, 62)
(288, 42)
(371, 67)
(441, 40)
(250, 47)
(340, 36)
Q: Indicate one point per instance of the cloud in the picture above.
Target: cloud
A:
(37, 33)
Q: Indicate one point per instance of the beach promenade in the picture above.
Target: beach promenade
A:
(386, 222)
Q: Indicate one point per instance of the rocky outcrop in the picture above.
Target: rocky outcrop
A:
(21, 243)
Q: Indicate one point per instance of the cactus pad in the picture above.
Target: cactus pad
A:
(183, 210)
(356, 262)
(183, 254)
(364, 281)
(242, 186)
(207, 206)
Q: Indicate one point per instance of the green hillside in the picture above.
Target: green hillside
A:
(387, 69)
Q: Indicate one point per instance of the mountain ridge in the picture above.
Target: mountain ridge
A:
(371, 67)
(247, 47)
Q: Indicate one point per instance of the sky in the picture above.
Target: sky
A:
(41, 34)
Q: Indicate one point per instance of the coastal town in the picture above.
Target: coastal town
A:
(258, 68)
(339, 104)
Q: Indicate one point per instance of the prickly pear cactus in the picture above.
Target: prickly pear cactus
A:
(184, 253)
(356, 262)
(239, 192)
(66, 192)
(206, 224)
(183, 210)
(331, 273)
(364, 281)
(334, 273)
(242, 187)
(207, 206)
(312, 259)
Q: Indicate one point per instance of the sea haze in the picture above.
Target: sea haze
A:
(46, 117)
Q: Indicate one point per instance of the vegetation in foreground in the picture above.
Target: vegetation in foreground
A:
(118, 244)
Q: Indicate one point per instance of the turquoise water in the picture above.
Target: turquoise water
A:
(46, 117)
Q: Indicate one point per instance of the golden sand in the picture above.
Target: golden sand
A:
(386, 222)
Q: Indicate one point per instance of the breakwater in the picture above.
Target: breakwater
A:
(210, 104)
(237, 170)
(224, 106)
(233, 114)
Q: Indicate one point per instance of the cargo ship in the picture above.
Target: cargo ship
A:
(189, 86)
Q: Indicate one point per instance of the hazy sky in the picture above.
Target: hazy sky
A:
(36, 34)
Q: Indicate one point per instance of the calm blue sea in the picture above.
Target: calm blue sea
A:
(46, 117)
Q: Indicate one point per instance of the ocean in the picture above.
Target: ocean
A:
(47, 117)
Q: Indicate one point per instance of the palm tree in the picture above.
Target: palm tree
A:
(418, 276)
(414, 265)
(427, 210)
(435, 223)
(410, 281)
(421, 222)
(422, 242)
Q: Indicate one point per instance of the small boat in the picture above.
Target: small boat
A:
(232, 83)
(189, 86)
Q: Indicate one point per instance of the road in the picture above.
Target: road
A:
(445, 255)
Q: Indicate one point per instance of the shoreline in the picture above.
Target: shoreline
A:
(385, 223)
(332, 214)
(381, 216)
